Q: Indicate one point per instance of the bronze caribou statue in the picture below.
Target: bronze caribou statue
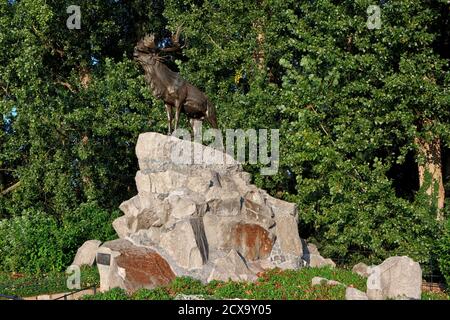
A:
(178, 95)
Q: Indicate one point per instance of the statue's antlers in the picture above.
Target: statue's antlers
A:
(149, 41)
(176, 41)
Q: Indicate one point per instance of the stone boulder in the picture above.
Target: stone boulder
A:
(189, 297)
(121, 264)
(319, 281)
(312, 257)
(355, 294)
(395, 278)
(232, 267)
(86, 253)
(197, 214)
(362, 269)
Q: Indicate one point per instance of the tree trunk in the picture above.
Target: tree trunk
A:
(85, 77)
(259, 54)
(431, 151)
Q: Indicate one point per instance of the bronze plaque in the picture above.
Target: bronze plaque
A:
(103, 258)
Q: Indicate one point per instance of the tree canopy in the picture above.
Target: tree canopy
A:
(363, 113)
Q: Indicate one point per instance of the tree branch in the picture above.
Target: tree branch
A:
(67, 85)
(10, 189)
(214, 43)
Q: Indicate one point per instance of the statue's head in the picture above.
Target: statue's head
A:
(146, 50)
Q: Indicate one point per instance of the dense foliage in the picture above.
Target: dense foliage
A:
(442, 252)
(350, 103)
(36, 242)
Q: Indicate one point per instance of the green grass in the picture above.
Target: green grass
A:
(272, 285)
(435, 296)
(33, 285)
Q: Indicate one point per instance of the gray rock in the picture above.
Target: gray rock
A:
(120, 225)
(180, 243)
(258, 213)
(362, 269)
(334, 283)
(355, 294)
(183, 203)
(222, 202)
(189, 297)
(218, 230)
(318, 281)
(287, 234)
(197, 212)
(283, 259)
(86, 253)
(252, 241)
(158, 152)
(148, 237)
(312, 249)
(124, 265)
(312, 257)
(291, 262)
(200, 237)
(232, 267)
(395, 278)
(317, 261)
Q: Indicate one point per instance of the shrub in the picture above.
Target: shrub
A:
(88, 221)
(155, 294)
(443, 253)
(187, 285)
(113, 294)
(36, 242)
(30, 243)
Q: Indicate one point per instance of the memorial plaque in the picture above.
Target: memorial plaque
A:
(103, 258)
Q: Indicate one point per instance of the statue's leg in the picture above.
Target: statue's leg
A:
(196, 127)
(177, 113)
(169, 117)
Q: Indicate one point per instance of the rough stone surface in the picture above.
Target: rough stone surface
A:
(180, 243)
(189, 297)
(362, 269)
(284, 260)
(287, 231)
(252, 241)
(131, 267)
(312, 249)
(86, 253)
(231, 267)
(312, 257)
(395, 278)
(317, 261)
(355, 294)
(317, 281)
(197, 211)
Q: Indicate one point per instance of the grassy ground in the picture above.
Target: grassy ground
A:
(272, 285)
(33, 285)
